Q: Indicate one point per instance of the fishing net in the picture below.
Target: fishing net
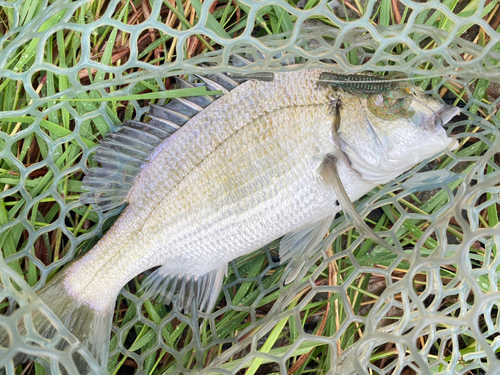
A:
(355, 307)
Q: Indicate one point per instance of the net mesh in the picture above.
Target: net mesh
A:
(356, 308)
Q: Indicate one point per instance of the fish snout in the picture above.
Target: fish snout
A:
(447, 112)
(440, 117)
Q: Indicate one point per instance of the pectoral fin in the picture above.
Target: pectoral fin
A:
(328, 170)
(294, 269)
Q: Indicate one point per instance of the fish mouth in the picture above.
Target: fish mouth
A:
(439, 117)
(447, 112)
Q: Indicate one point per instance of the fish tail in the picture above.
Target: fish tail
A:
(91, 328)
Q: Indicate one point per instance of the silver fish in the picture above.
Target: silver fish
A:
(240, 173)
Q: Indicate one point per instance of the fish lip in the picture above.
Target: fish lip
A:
(447, 112)
(435, 122)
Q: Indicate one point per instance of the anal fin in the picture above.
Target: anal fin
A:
(185, 289)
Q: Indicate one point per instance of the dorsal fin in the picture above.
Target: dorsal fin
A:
(123, 153)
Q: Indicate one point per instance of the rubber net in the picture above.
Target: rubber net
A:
(355, 307)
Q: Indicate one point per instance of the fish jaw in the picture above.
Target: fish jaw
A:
(432, 138)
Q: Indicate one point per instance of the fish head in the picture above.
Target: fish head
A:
(380, 150)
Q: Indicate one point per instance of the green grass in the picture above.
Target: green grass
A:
(45, 149)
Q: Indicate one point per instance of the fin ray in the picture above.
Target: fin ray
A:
(295, 244)
(186, 288)
(213, 85)
(223, 80)
(329, 172)
(193, 106)
(90, 327)
(123, 153)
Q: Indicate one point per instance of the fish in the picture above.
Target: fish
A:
(208, 180)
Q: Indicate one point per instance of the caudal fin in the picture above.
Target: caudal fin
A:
(92, 329)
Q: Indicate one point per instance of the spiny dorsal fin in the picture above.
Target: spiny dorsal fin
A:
(123, 153)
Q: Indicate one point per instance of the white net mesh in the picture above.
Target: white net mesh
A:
(355, 308)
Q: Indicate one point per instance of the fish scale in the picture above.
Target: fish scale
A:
(242, 172)
(150, 188)
(199, 141)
